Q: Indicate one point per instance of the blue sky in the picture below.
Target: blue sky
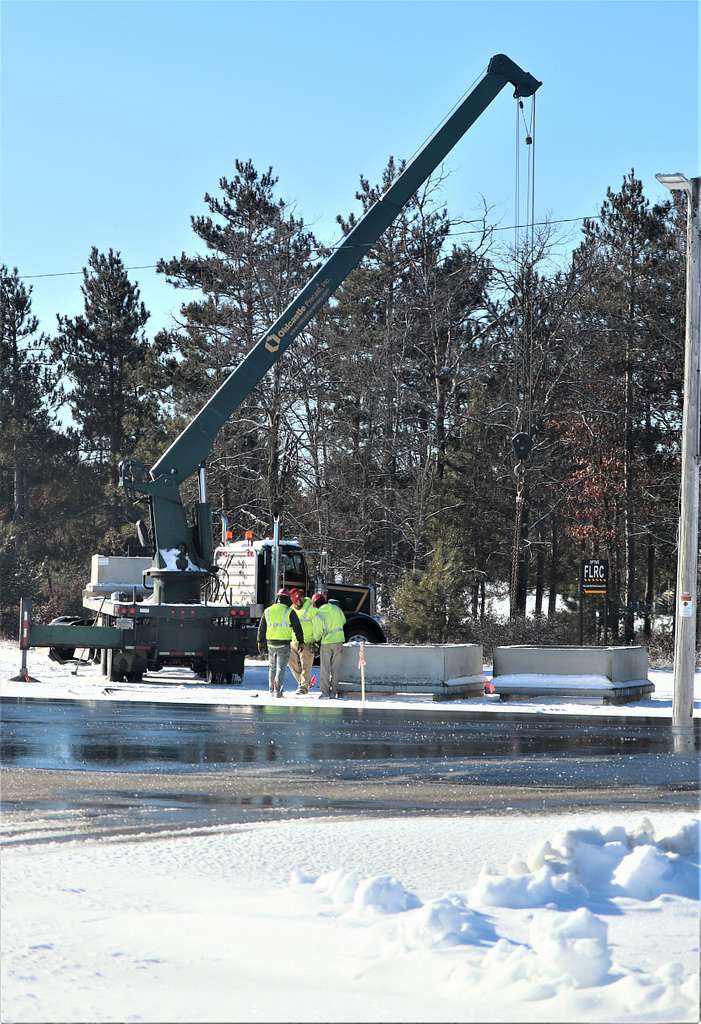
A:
(118, 117)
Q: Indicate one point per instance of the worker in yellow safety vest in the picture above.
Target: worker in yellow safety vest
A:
(275, 633)
(328, 632)
(302, 655)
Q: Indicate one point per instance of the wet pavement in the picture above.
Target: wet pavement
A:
(122, 768)
(139, 736)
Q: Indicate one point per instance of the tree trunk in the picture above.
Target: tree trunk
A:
(20, 496)
(554, 580)
(539, 574)
(650, 587)
(523, 559)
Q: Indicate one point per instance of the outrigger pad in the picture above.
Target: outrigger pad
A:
(24, 677)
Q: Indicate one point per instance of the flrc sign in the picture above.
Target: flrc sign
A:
(595, 577)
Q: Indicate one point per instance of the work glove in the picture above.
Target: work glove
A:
(262, 650)
(317, 650)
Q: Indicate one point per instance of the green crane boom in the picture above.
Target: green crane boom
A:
(188, 452)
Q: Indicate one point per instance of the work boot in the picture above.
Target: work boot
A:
(279, 693)
(300, 692)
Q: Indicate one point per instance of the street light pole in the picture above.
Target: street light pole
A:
(688, 538)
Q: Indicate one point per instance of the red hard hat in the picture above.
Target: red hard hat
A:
(283, 592)
(318, 599)
(296, 592)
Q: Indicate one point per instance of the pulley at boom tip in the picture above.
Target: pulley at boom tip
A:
(523, 82)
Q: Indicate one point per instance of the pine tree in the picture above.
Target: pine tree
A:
(259, 255)
(430, 606)
(102, 354)
(401, 337)
(34, 456)
(623, 368)
(27, 384)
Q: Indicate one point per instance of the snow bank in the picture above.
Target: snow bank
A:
(446, 921)
(565, 949)
(208, 928)
(569, 966)
(567, 960)
(589, 864)
(345, 889)
(572, 946)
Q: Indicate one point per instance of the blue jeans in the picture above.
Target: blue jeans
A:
(278, 656)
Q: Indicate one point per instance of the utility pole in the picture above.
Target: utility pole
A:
(688, 538)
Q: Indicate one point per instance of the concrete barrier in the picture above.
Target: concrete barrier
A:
(109, 573)
(607, 674)
(443, 670)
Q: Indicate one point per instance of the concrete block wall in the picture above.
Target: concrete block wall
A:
(118, 569)
(430, 664)
(619, 664)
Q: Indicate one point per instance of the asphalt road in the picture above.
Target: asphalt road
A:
(74, 768)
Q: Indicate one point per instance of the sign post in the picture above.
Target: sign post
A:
(688, 540)
(361, 666)
(593, 582)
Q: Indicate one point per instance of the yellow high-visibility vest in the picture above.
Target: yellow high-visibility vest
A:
(306, 615)
(277, 623)
(328, 625)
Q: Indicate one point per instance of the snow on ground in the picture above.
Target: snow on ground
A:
(469, 918)
(474, 918)
(175, 685)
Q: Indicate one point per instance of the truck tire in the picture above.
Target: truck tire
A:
(217, 678)
(113, 667)
(357, 632)
(64, 654)
(199, 668)
(223, 678)
(120, 667)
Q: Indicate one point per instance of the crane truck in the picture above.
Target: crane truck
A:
(182, 611)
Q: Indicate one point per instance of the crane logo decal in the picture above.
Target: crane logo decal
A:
(300, 316)
(274, 341)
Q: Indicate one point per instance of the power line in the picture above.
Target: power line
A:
(451, 234)
(75, 273)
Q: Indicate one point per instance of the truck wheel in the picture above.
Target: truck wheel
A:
(113, 667)
(358, 632)
(118, 666)
(62, 654)
(135, 665)
(218, 678)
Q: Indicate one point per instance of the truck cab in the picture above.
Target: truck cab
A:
(246, 574)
